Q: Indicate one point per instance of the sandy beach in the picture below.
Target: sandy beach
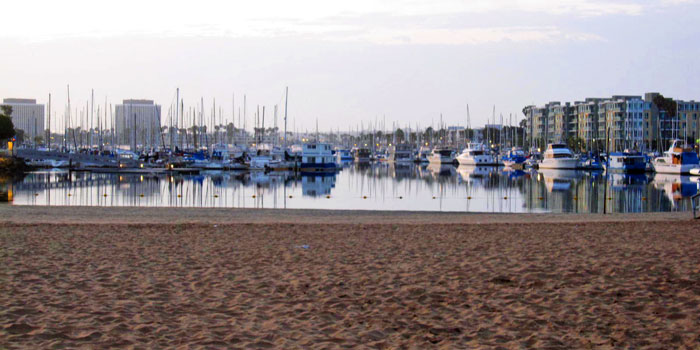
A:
(96, 278)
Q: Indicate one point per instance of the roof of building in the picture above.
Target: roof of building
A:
(138, 102)
(19, 101)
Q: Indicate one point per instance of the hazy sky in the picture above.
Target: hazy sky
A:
(352, 61)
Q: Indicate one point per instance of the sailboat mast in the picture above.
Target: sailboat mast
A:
(105, 124)
(48, 138)
(275, 126)
(469, 122)
(170, 128)
(233, 119)
(92, 114)
(286, 97)
(75, 142)
(213, 119)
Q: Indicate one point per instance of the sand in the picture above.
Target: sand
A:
(229, 279)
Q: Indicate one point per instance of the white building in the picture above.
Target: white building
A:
(27, 116)
(145, 116)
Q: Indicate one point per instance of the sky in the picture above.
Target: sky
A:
(352, 63)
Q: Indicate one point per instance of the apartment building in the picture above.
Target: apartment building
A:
(616, 123)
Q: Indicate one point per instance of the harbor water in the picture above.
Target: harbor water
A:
(381, 186)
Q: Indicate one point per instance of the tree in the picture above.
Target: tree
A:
(575, 143)
(7, 129)
(665, 104)
(399, 135)
(428, 133)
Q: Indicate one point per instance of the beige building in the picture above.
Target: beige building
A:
(27, 116)
(138, 124)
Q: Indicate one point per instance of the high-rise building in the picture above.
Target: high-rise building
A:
(138, 124)
(27, 116)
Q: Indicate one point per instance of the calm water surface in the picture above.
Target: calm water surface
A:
(368, 187)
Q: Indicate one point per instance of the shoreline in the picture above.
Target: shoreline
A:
(25, 214)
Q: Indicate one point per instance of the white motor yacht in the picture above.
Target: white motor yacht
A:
(442, 155)
(476, 154)
(558, 156)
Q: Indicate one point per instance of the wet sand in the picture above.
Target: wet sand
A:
(192, 278)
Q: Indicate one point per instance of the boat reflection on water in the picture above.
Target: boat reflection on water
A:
(676, 187)
(401, 171)
(560, 179)
(628, 181)
(514, 173)
(273, 179)
(467, 173)
(367, 186)
(441, 170)
(317, 185)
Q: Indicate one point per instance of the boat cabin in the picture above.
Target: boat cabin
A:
(317, 153)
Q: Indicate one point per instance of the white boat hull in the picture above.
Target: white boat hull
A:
(678, 169)
(477, 161)
(559, 163)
